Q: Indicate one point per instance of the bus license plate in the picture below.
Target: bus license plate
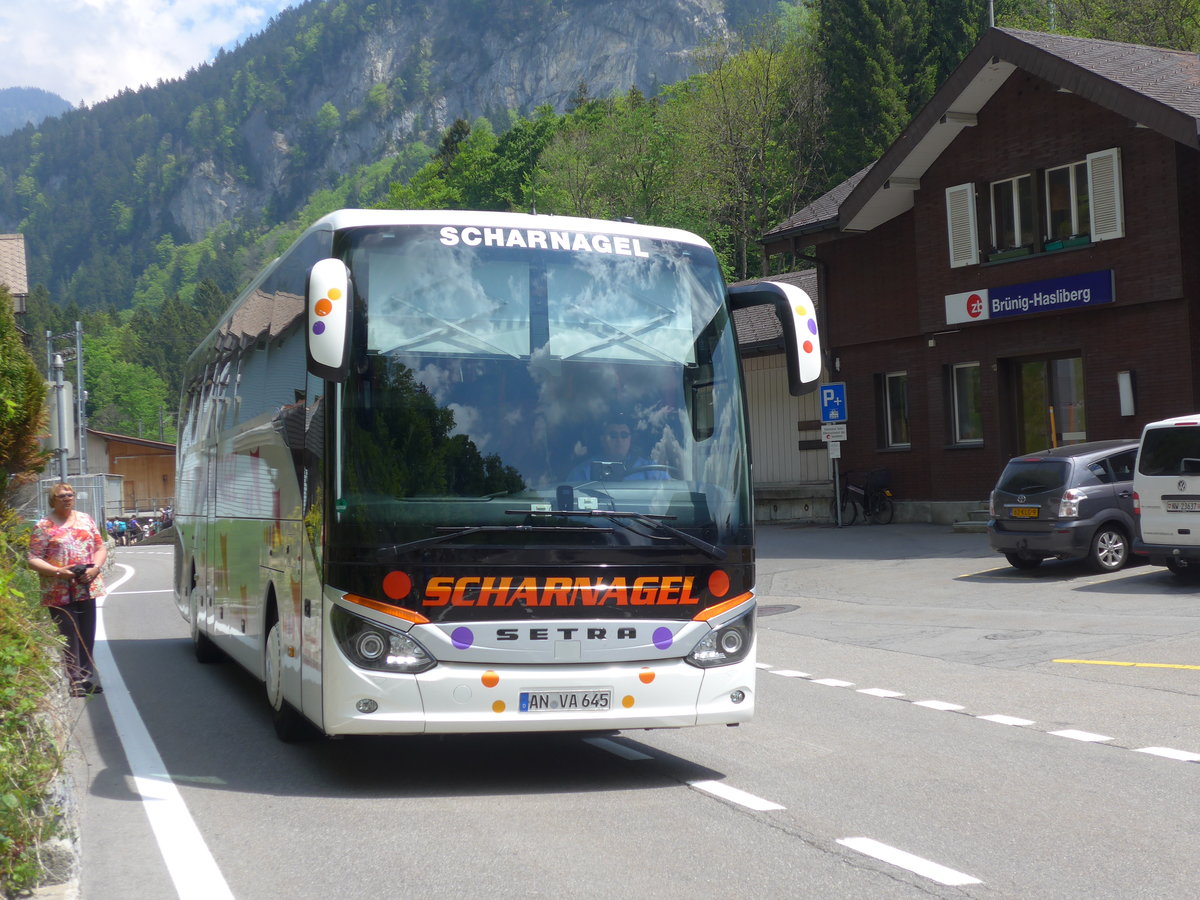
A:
(594, 700)
(1025, 512)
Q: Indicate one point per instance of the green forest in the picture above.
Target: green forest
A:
(806, 94)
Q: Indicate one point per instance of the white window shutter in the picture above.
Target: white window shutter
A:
(1104, 186)
(960, 223)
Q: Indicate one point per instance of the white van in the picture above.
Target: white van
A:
(1166, 486)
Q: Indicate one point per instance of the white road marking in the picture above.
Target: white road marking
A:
(189, 862)
(1182, 755)
(833, 682)
(617, 749)
(915, 864)
(790, 673)
(1006, 720)
(938, 704)
(879, 692)
(733, 795)
(1081, 735)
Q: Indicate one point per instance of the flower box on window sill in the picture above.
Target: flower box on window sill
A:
(1014, 253)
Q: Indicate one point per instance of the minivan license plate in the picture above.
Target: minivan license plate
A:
(1182, 505)
(595, 700)
(1025, 512)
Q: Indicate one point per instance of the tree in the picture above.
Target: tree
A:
(22, 406)
(879, 71)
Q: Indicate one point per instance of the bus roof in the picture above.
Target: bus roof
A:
(359, 218)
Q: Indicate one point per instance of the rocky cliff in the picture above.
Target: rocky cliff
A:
(431, 66)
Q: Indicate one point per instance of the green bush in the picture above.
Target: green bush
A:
(31, 743)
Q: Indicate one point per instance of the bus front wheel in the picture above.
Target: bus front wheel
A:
(289, 724)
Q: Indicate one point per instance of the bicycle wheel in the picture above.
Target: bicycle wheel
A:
(849, 511)
(882, 509)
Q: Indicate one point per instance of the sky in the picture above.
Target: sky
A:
(89, 50)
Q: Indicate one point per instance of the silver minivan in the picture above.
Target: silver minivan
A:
(1166, 486)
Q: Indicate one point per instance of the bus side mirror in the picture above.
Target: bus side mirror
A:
(328, 298)
(797, 313)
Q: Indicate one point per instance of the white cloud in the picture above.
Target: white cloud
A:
(90, 50)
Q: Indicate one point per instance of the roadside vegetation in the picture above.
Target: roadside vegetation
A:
(33, 739)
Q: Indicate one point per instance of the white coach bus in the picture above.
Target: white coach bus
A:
(398, 505)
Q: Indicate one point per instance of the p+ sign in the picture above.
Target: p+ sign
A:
(833, 402)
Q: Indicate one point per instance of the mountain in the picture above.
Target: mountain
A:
(244, 142)
(21, 106)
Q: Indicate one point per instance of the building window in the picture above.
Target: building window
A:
(1012, 213)
(1067, 202)
(895, 403)
(1083, 204)
(966, 403)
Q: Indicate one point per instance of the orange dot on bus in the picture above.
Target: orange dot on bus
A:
(498, 706)
(808, 346)
(718, 583)
(627, 702)
(490, 678)
(323, 307)
(646, 676)
(335, 294)
(397, 585)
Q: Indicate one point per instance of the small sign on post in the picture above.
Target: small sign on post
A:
(833, 432)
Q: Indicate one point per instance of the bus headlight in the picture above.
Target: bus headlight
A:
(725, 645)
(370, 645)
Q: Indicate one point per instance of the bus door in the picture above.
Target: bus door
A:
(310, 467)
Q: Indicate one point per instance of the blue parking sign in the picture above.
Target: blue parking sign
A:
(833, 402)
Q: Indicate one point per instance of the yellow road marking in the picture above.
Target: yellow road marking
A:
(1107, 662)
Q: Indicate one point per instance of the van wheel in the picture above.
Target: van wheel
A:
(1110, 549)
(1021, 561)
(290, 726)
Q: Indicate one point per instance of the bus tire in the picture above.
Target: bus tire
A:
(289, 725)
(203, 647)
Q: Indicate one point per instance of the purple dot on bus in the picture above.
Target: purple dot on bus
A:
(319, 328)
(663, 638)
(462, 638)
(812, 326)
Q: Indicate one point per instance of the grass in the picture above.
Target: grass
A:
(32, 741)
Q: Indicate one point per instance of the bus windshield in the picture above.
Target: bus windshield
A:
(578, 395)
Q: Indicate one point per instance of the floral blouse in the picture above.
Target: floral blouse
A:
(66, 545)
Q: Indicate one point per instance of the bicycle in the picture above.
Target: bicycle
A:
(872, 498)
(877, 505)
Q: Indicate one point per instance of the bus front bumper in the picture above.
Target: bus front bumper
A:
(456, 698)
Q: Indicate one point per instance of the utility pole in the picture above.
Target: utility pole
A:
(61, 409)
(55, 364)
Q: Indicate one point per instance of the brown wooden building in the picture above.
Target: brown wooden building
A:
(146, 467)
(1021, 268)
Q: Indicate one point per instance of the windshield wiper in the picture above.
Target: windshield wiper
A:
(619, 516)
(453, 531)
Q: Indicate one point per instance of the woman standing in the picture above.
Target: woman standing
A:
(68, 551)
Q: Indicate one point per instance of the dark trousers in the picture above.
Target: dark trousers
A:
(77, 623)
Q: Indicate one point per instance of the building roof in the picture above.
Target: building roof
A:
(12, 264)
(1153, 87)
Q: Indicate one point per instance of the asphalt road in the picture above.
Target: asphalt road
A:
(930, 723)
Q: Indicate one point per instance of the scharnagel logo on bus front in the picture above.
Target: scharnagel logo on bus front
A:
(557, 591)
(536, 238)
